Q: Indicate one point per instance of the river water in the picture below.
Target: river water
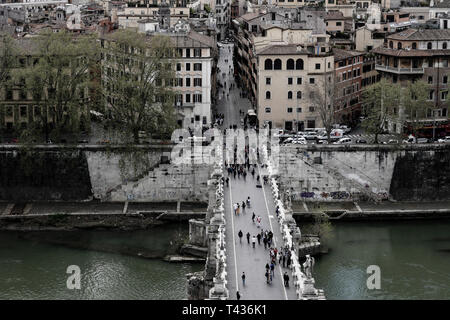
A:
(414, 259)
(32, 269)
(413, 256)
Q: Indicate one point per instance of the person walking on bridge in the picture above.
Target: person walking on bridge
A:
(238, 296)
(253, 217)
(248, 237)
(253, 241)
(258, 236)
(286, 280)
(240, 236)
(243, 278)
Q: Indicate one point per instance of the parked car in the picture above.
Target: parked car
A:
(343, 141)
(288, 140)
(411, 139)
(300, 140)
(311, 135)
(444, 140)
(345, 128)
(361, 141)
(422, 140)
(322, 141)
(392, 141)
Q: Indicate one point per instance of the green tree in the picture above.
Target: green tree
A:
(138, 79)
(380, 103)
(59, 79)
(8, 51)
(415, 103)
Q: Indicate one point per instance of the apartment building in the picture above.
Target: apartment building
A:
(195, 76)
(418, 54)
(348, 67)
(18, 109)
(280, 56)
(285, 75)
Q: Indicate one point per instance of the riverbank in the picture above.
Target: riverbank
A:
(360, 211)
(39, 216)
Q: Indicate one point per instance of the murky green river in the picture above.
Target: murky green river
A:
(414, 259)
(32, 269)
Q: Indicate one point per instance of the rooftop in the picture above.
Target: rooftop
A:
(421, 34)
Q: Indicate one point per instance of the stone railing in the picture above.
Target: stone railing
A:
(216, 228)
(304, 285)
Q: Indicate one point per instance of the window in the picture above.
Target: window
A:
(197, 82)
(188, 67)
(431, 95)
(289, 110)
(299, 80)
(299, 110)
(188, 98)
(204, 120)
(9, 111)
(37, 111)
(188, 82)
(299, 64)
(23, 111)
(429, 46)
(430, 79)
(188, 53)
(391, 44)
(290, 64)
(268, 64)
(444, 79)
(289, 94)
(290, 81)
(444, 45)
(311, 80)
(197, 52)
(178, 66)
(338, 24)
(197, 117)
(197, 67)
(311, 123)
(197, 98)
(179, 82)
(268, 109)
(267, 94)
(317, 66)
(399, 45)
(277, 64)
(268, 81)
(299, 94)
(444, 95)
(311, 109)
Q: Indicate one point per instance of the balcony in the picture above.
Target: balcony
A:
(397, 70)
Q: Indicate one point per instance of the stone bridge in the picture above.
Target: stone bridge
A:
(229, 257)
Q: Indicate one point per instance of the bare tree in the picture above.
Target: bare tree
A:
(322, 97)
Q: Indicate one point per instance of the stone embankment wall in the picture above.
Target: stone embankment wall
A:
(107, 173)
(333, 173)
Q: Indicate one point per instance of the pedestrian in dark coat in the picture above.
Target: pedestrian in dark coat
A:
(259, 238)
(240, 236)
(248, 237)
(238, 296)
(253, 217)
(286, 279)
(265, 243)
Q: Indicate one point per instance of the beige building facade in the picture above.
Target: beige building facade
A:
(285, 75)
